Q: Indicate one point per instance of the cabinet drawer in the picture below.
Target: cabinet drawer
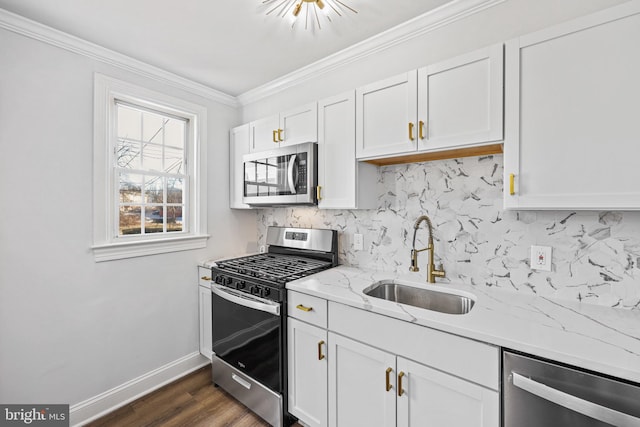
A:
(204, 276)
(307, 308)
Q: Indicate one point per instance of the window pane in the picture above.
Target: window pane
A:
(173, 160)
(152, 157)
(174, 218)
(152, 127)
(154, 218)
(174, 190)
(128, 155)
(130, 188)
(174, 133)
(153, 189)
(129, 123)
(130, 220)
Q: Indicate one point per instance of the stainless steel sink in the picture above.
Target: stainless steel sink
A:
(430, 299)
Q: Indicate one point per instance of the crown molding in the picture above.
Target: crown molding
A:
(26, 27)
(425, 23)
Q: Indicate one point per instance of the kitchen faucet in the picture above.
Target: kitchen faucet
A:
(432, 273)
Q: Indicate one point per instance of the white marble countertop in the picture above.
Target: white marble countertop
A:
(601, 339)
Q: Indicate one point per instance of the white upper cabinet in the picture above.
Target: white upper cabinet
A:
(343, 182)
(572, 93)
(384, 111)
(460, 101)
(294, 126)
(264, 133)
(453, 104)
(239, 141)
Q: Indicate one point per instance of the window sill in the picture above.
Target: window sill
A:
(122, 250)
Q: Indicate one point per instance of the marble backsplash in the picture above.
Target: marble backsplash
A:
(596, 255)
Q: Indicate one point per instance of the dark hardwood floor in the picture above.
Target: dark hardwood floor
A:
(190, 401)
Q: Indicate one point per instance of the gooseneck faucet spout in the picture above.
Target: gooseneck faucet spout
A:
(432, 272)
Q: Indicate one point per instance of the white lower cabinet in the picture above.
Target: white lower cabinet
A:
(361, 384)
(363, 370)
(307, 372)
(444, 400)
(204, 311)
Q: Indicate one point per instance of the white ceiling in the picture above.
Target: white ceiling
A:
(231, 46)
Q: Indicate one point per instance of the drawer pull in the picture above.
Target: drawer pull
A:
(512, 189)
(274, 136)
(388, 378)
(207, 278)
(320, 355)
(421, 129)
(400, 390)
(280, 135)
(303, 308)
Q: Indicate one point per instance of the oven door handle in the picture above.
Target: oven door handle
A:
(246, 300)
(576, 404)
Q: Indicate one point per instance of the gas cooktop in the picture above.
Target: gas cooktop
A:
(278, 268)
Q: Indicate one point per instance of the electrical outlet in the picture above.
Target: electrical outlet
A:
(263, 249)
(358, 242)
(541, 258)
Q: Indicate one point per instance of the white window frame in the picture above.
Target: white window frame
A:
(107, 245)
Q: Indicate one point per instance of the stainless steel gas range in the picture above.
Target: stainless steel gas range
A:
(249, 316)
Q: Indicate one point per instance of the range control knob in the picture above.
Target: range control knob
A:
(228, 280)
(219, 279)
(241, 284)
(266, 292)
(255, 290)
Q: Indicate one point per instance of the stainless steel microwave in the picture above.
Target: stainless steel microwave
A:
(283, 176)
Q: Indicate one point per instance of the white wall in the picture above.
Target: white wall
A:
(71, 328)
(497, 24)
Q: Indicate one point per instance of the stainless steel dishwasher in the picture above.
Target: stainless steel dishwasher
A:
(539, 393)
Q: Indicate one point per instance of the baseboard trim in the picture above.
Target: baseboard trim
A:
(100, 405)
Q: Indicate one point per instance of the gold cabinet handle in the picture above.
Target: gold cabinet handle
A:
(320, 355)
(400, 390)
(303, 308)
(421, 129)
(318, 189)
(388, 378)
(274, 136)
(512, 189)
(280, 135)
(411, 131)
(207, 278)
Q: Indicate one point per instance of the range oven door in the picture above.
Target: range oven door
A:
(247, 334)
(284, 176)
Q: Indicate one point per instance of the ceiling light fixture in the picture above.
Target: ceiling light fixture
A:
(283, 7)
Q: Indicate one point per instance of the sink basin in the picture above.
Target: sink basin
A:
(429, 299)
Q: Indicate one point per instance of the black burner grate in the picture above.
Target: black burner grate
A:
(274, 267)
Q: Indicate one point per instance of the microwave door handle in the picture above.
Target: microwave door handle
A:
(576, 404)
(246, 300)
(290, 174)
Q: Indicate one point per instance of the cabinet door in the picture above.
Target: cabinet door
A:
(239, 141)
(344, 183)
(204, 299)
(571, 135)
(307, 369)
(264, 134)
(460, 100)
(299, 125)
(385, 112)
(358, 392)
(431, 397)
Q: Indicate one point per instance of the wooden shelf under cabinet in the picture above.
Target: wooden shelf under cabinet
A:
(438, 155)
